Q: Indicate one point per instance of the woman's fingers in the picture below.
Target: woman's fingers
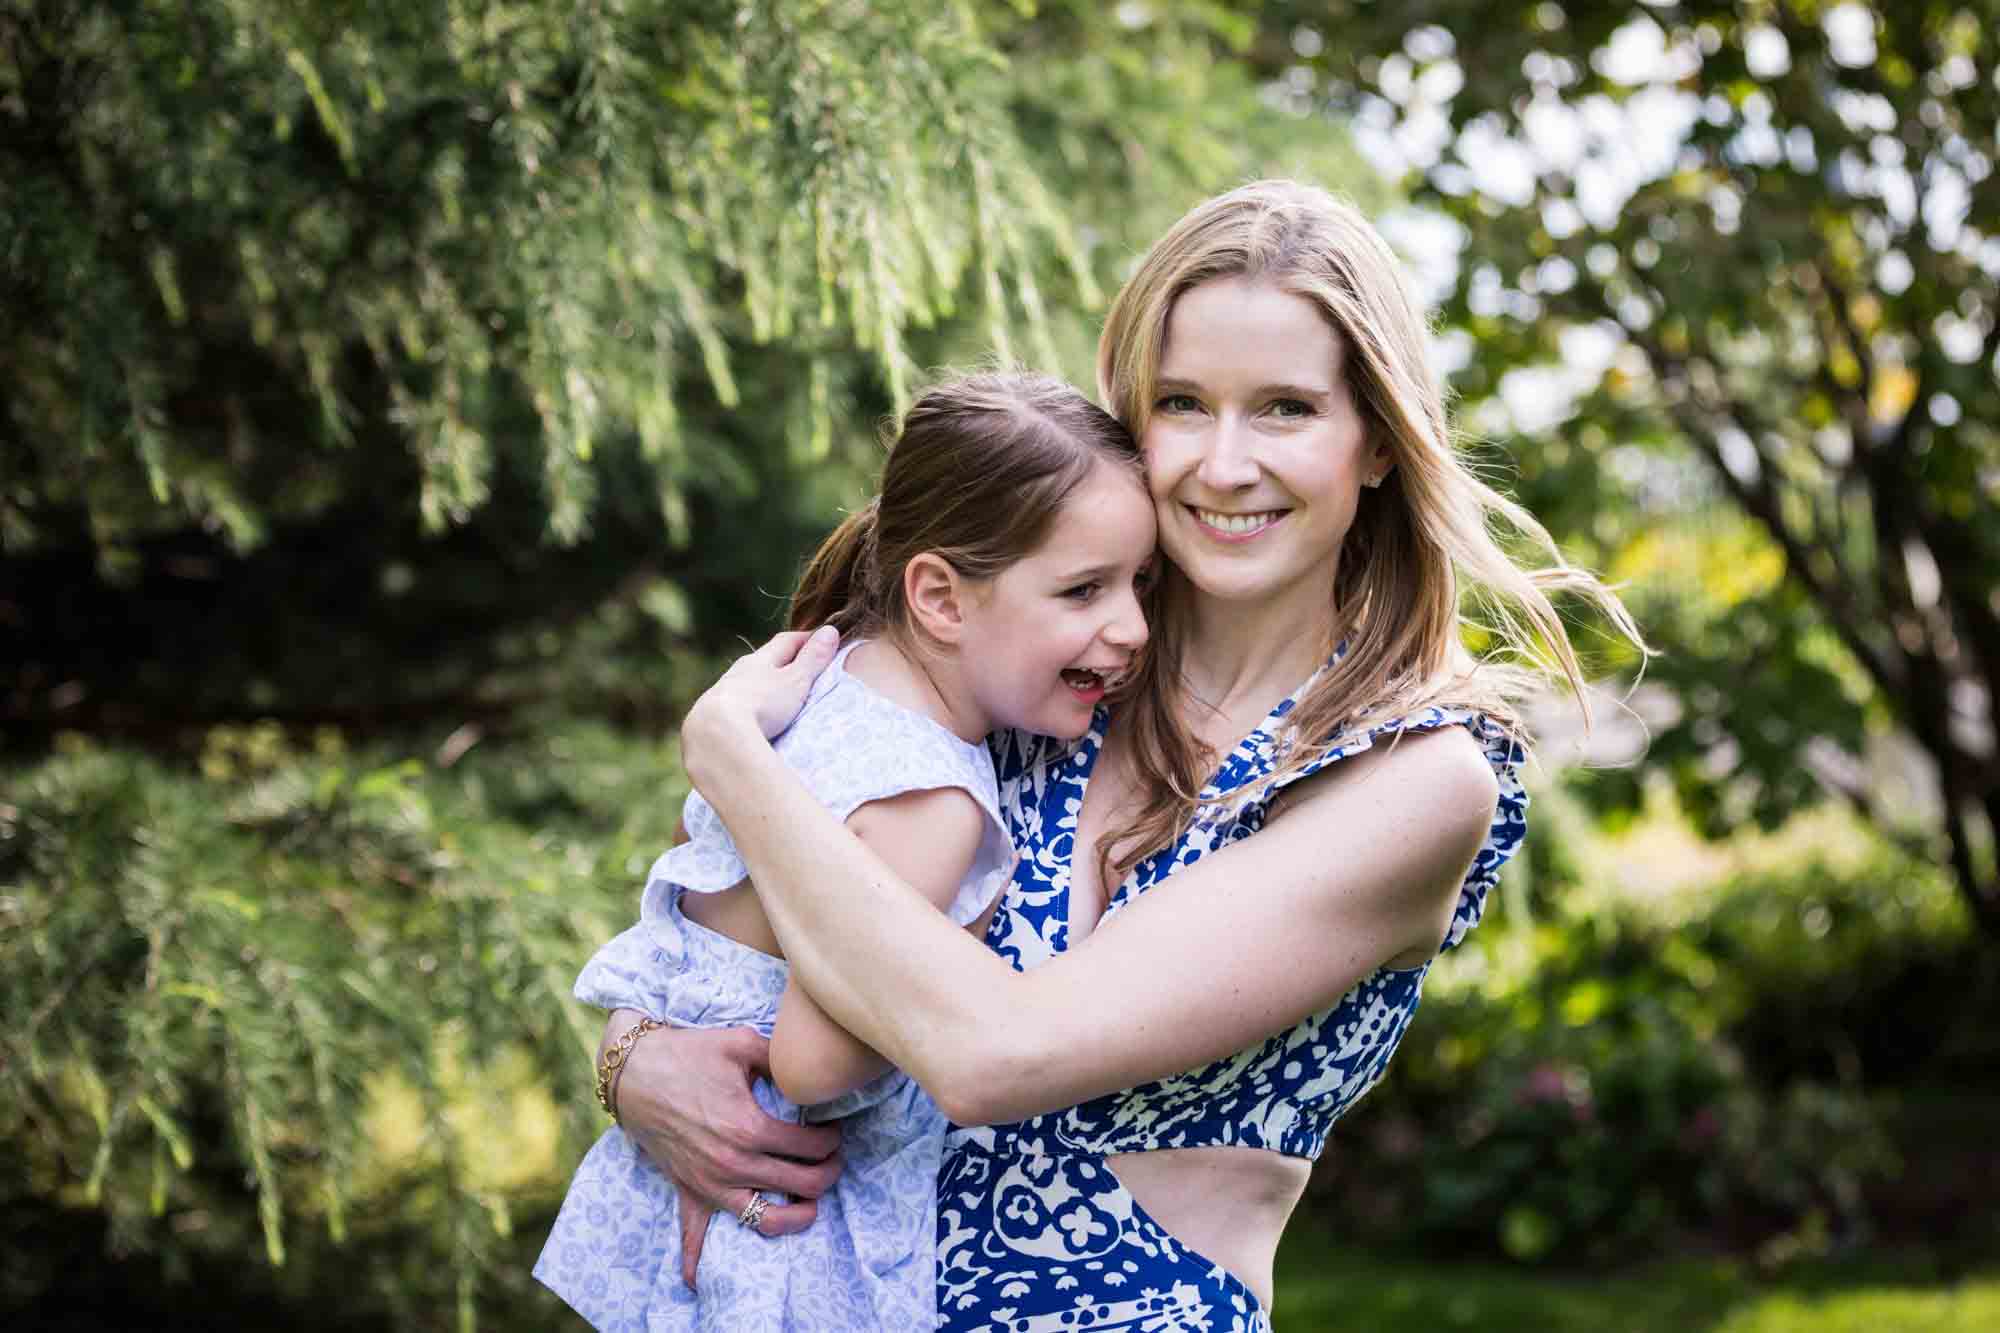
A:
(783, 1219)
(782, 1175)
(694, 1230)
(769, 685)
(808, 1143)
(775, 1219)
(797, 647)
(781, 647)
(812, 655)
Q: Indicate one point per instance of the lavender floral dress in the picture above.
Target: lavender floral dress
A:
(868, 1261)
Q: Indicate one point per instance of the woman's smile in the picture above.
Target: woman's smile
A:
(1230, 527)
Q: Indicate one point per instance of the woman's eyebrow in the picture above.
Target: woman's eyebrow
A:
(1281, 389)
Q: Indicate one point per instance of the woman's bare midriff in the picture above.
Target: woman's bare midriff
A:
(1228, 1205)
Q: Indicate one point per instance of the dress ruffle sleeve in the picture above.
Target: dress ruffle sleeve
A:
(1503, 752)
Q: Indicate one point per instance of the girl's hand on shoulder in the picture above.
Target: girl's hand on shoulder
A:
(763, 690)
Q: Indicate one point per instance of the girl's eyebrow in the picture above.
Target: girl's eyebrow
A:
(1089, 572)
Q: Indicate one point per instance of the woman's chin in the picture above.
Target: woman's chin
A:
(1248, 584)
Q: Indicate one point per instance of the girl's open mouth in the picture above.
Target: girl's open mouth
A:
(1084, 681)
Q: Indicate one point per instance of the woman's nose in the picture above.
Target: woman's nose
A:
(1227, 463)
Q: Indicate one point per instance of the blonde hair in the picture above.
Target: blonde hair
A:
(1394, 595)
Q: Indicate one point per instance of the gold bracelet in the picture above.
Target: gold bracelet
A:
(611, 1065)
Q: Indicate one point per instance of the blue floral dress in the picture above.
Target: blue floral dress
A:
(1035, 1233)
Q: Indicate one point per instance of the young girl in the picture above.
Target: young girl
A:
(993, 584)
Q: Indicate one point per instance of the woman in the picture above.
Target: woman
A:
(1196, 1005)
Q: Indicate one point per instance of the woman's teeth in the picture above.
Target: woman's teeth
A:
(1238, 524)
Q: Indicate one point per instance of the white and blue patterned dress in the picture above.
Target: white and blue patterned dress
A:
(868, 1260)
(1035, 1232)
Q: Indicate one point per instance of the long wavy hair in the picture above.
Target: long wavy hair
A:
(1419, 542)
(977, 472)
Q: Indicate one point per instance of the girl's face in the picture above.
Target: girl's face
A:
(1255, 452)
(1046, 636)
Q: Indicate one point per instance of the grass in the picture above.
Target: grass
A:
(1324, 1288)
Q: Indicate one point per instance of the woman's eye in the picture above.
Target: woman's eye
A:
(1291, 407)
(1177, 402)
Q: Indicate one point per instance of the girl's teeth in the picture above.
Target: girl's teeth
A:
(1237, 523)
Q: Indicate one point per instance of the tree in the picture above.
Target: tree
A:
(1754, 240)
(352, 356)
(394, 330)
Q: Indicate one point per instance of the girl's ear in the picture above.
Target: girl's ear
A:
(936, 596)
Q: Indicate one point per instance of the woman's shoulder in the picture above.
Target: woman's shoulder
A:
(1292, 757)
(1469, 772)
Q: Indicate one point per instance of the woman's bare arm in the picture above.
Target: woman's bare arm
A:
(927, 838)
(1361, 869)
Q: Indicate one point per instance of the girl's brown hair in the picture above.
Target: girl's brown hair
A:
(978, 471)
(1394, 593)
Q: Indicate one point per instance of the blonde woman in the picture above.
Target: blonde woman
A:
(1230, 890)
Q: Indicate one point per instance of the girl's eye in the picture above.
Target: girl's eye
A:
(1177, 402)
(1082, 592)
(1291, 407)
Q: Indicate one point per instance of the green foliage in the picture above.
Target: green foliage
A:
(1605, 1079)
(327, 328)
(248, 239)
(339, 978)
(1752, 239)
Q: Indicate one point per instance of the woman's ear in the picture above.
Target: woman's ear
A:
(1381, 462)
(936, 595)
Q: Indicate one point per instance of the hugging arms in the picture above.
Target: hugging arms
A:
(1232, 883)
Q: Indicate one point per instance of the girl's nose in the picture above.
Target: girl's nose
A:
(1127, 628)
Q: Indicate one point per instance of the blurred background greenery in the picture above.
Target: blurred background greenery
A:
(407, 407)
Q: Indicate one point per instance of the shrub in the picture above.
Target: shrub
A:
(310, 994)
(1580, 1089)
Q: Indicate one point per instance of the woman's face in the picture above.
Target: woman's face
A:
(1254, 451)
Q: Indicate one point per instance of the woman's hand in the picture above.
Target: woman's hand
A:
(763, 689)
(685, 1099)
